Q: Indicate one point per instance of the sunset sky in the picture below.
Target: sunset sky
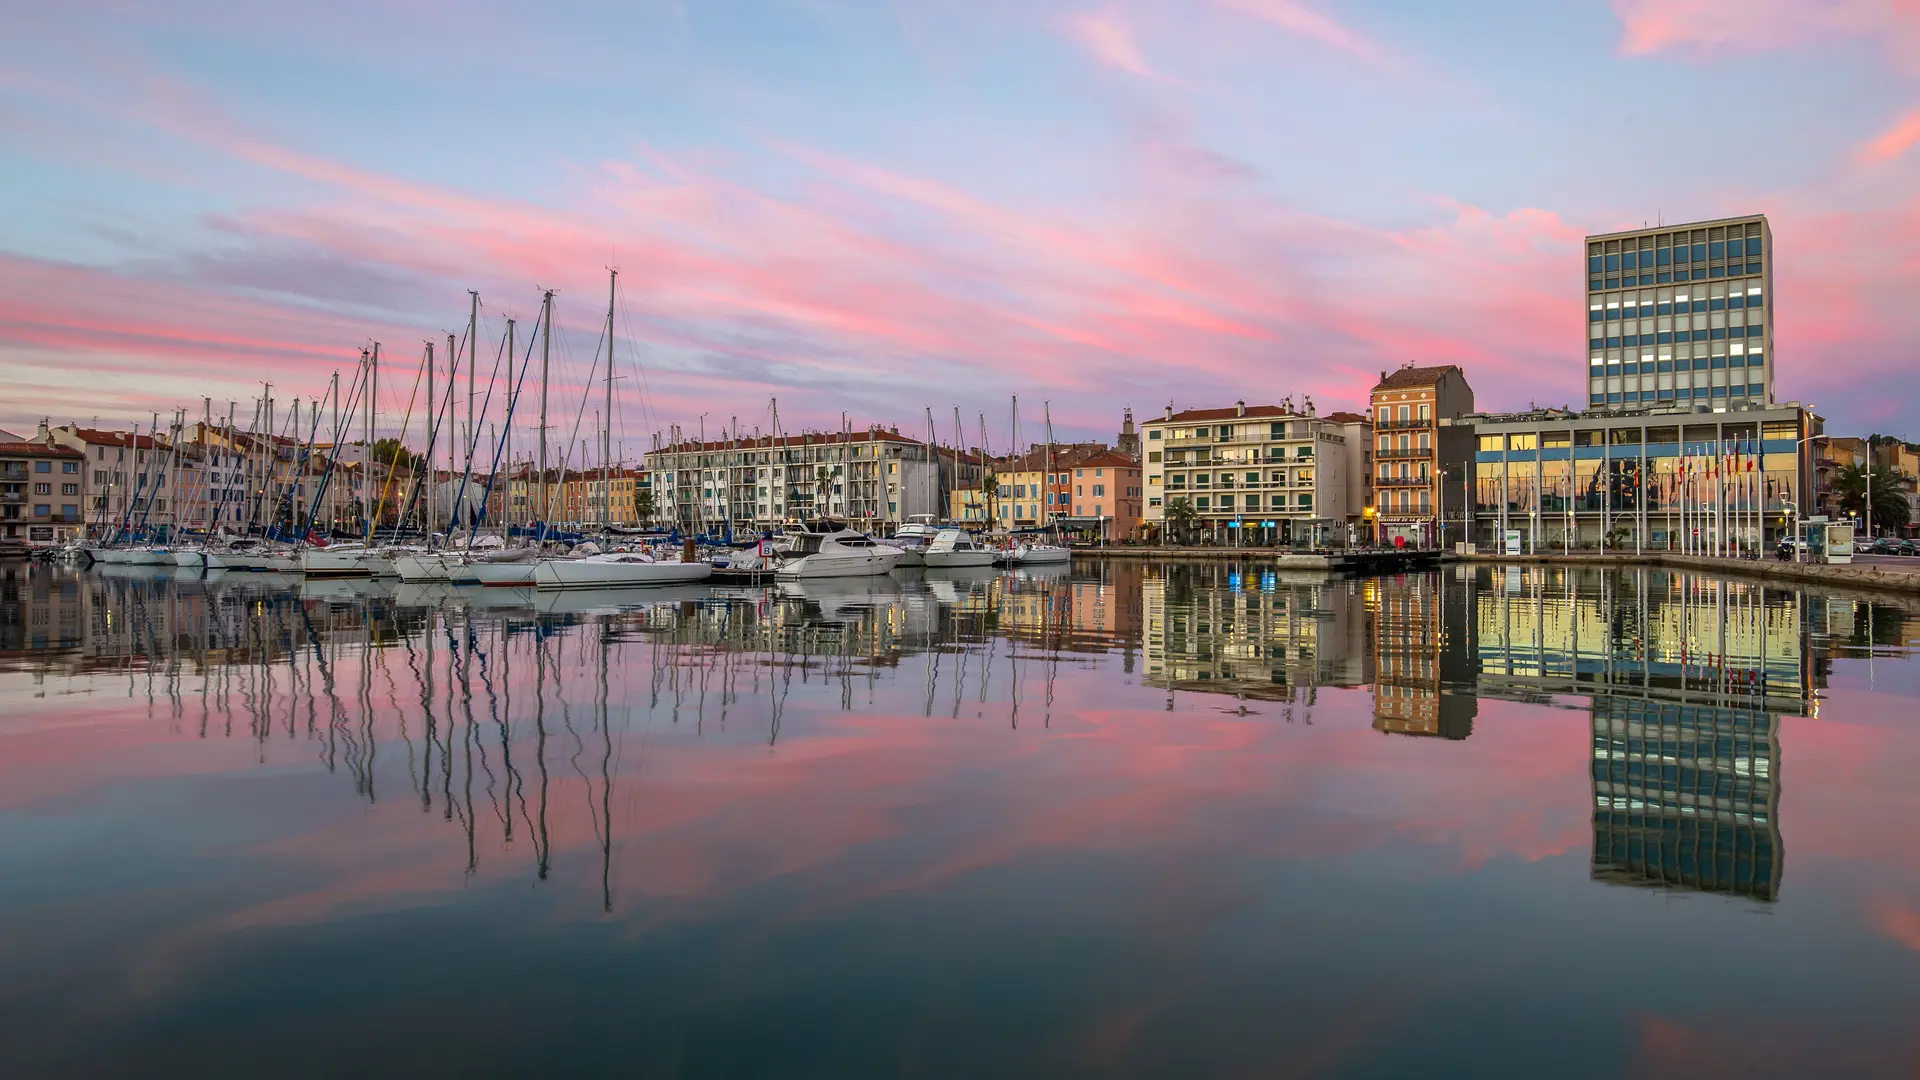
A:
(890, 205)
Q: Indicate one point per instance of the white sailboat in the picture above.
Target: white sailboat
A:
(615, 570)
(1039, 553)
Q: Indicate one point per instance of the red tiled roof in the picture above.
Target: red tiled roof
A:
(1416, 377)
(38, 449)
(1346, 417)
(97, 437)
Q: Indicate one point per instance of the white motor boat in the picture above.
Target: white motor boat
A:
(954, 549)
(615, 570)
(830, 551)
(913, 539)
(1038, 555)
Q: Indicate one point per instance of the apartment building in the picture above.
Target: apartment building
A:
(41, 492)
(1414, 410)
(874, 478)
(1681, 314)
(624, 499)
(1258, 474)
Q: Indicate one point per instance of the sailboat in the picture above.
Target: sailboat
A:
(616, 569)
(1042, 554)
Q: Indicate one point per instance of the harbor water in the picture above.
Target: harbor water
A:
(1119, 819)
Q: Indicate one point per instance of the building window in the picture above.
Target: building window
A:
(43, 466)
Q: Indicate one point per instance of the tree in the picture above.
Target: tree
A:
(989, 487)
(1182, 516)
(390, 453)
(1889, 495)
(643, 505)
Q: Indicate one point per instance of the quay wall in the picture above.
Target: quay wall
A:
(1878, 579)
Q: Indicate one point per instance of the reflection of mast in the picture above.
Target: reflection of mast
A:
(606, 779)
(542, 848)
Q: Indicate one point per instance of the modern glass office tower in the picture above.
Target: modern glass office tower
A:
(1681, 314)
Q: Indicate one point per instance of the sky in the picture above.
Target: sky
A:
(881, 208)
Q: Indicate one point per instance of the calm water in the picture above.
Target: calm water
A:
(1131, 820)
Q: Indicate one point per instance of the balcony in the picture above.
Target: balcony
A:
(1413, 452)
(1403, 482)
(1402, 425)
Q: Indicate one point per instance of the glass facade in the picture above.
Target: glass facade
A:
(1687, 320)
(1639, 481)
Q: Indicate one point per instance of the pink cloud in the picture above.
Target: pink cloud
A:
(1296, 17)
(1892, 142)
(1707, 27)
(1110, 41)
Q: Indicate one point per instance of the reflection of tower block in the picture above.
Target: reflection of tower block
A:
(1686, 797)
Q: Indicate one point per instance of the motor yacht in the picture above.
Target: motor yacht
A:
(913, 538)
(954, 549)
(829, 550)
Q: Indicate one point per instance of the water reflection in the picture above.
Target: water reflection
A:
(1164, 741)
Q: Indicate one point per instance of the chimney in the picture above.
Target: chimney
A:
(1169, 410)
(1239, 408)
(1383, 375)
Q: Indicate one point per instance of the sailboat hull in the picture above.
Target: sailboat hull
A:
(421, 568)
(593, 573)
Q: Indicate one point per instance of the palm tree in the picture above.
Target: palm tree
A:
(643, 505)
(989, 486)
(1181, 515)
(1889, 495)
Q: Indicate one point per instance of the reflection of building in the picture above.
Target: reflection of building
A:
(1688, 677)
(1686, 796)
(1252, 632)
(1422, 657)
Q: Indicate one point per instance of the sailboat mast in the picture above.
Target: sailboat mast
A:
(433, 429)
(546, 348)
(606, 431)
(373, 403)
(473, 342)
(506, 440)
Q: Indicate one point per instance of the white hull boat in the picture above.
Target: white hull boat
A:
(335, 560)
(507, 568)
(144, 556)
(1039, 555)
(423, 568)
(955, 549)
(616, 570)
(840, 553)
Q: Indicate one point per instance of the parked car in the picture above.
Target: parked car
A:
(1908, 547)
(1862, 546)
(1884, 546)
